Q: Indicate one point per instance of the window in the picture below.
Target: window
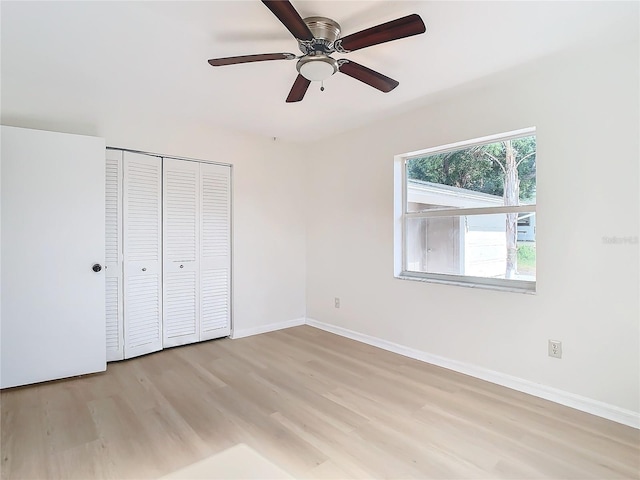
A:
(466, 213)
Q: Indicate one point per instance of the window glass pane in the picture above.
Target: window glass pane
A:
(488, 246)
(495, 174)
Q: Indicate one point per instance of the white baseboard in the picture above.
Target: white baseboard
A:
(270, 327)
(594, 407)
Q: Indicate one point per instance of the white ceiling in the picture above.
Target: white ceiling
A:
(87, 63)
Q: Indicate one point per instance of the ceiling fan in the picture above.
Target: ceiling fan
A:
(319, 37)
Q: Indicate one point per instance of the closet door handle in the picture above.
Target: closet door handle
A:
(144, 269)
(96, 267)
(181, 266)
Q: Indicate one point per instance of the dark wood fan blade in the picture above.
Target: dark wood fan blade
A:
(290, 18)
(385, 32)
(218, 62)
(298, 90)
(368, 76)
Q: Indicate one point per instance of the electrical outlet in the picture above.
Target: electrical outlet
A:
(555, 348)
(336, 302)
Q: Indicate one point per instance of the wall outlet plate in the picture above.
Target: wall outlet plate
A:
(336, 302)
(555, 348)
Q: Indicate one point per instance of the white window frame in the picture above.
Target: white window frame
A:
(401, 215)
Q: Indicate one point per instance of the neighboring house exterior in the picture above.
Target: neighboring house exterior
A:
(467, 245)
(527, 227)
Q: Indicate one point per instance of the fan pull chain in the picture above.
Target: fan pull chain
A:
(322, 85)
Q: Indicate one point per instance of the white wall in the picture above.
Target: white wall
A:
(585, 108)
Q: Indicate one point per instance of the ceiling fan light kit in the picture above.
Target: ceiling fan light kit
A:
(317, 68)
(318, 38)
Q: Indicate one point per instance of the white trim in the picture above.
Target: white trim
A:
(459, 212)
(450, 147)
(502, 284)
(399, 202)
(175, 157)
(270, 327)
(513, 286)
(578, 402)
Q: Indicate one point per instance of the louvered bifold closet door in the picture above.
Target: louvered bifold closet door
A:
(181, 212)
(215, 251)
(142, 187)
(113, 256)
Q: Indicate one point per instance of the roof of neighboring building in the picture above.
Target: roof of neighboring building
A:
(429, 193)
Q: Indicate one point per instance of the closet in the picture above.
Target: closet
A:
(168, 252)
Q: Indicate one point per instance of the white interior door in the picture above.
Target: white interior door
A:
(181, 227)
(53, 232)
(142, 224)
(113, 256)
(215, 251)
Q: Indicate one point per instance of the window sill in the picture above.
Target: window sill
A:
(468, 284)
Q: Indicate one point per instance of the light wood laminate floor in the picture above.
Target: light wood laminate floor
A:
(315, 404)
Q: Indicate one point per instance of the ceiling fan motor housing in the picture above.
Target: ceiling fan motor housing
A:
(325, 32)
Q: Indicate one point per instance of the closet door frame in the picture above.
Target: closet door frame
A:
(127, 267)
